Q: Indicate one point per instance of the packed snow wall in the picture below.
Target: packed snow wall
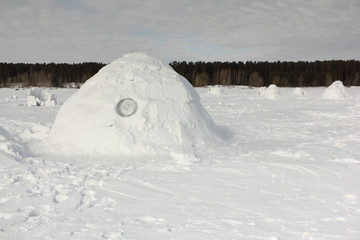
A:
(135, 105)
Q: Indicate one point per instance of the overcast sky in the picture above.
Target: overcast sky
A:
(191, 30)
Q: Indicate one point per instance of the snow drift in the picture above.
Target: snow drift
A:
(135, 105)
(335, 91)
(9, 146)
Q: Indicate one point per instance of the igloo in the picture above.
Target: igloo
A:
(216, 90)
(299, 92)
(271, 92)
(135, 105)
(335, 91)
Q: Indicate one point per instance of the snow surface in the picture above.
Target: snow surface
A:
(291, 170)
(335, 91)
(162, 112)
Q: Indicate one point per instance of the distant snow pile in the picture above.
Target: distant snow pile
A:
(136, 105)
(11, 98)
(72, 85)
(216, 90)
(40, 97)
(335, 91)
(271, 92)
(299, 92)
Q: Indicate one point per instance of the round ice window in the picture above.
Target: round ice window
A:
(126, 107)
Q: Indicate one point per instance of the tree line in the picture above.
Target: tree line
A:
(255, 74)
(46, 74)
(283, 74)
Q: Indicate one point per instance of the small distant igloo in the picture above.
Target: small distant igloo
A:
(271, 92)
(136, 105)
(335, 91)
(299, 92)
(216, 90)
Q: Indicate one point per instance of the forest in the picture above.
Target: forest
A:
(253, 74)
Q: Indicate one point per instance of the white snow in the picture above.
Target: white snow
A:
(136, 105)
(290, 170)
(270, 92)
(335, 91)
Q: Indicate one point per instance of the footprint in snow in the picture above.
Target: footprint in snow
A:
(60, 197)
(108, 203)
(159, 223)
(87, 200)
(112, 235)
(350, 199)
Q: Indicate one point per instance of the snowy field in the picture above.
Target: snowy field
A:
(290, 170)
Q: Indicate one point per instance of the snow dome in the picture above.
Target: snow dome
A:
(299, 92)
(216, 90)
(335, 91)
(271, 92)
(135, 105)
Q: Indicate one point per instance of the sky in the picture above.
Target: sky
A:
(73, 31)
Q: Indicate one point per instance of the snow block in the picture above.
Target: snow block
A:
(40, 97)
(136, 105)
(51, 100)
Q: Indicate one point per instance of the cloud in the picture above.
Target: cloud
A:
(81, 30)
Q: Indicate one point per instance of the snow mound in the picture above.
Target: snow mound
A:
(11, 98)
(40, 97)
(299, 92)
(136, 105)
(216, 90)
(335, 91)
(271, 92)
